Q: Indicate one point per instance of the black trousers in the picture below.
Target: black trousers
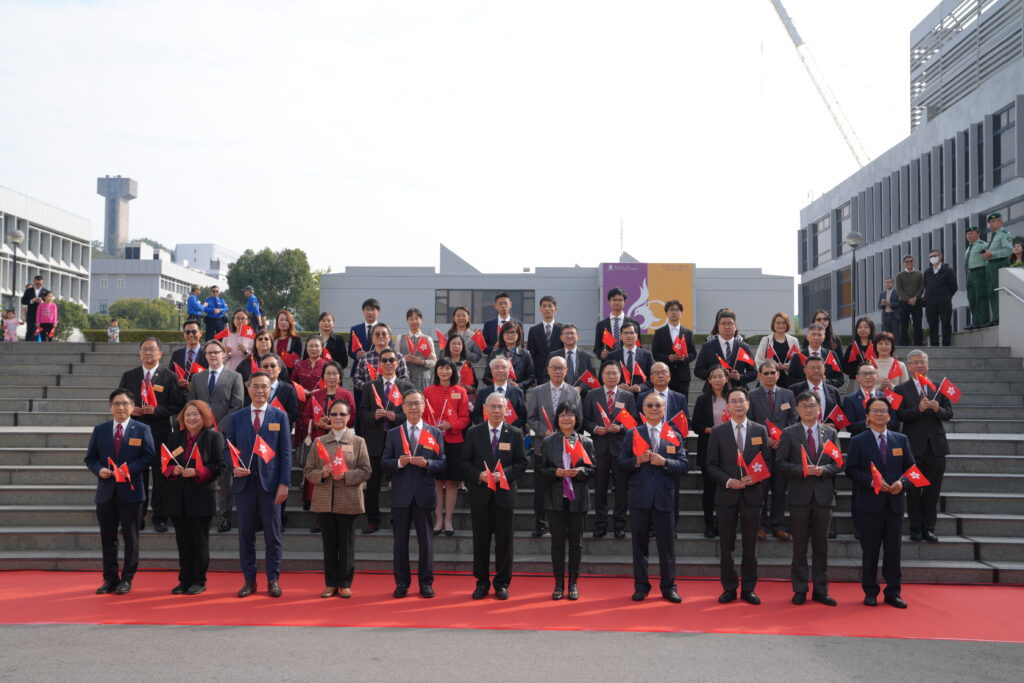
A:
(214, 325)
(566, 525)
(707, 498)
(748, 516)
(641, 521)
(111, 515)
(940, 314)
(43, 332)
(810, 522)
(890, 321)
(540, 494)
(878, 531)
(773, 517)
(192, 535)
(338, 533)
(910, 314)
(372, 494)
(606, 469)
(490, 521)
(402, 520)
(923, 503)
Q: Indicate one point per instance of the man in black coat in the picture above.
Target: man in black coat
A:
(727, 345)
(939, 288)
(673, 345)
(544, 338)
(30, 300)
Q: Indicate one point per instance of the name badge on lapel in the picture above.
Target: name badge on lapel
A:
(620, 405)
(670, 449)
(504, 446)
(755, 440)
(134, 442)
(158, 387)
(456, 395)
(784, 406)
(897, 452)
(178, 451)
(274, 426)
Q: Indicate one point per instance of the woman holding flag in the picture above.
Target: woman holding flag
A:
(567, 462)
(315, 420)
(510, 346)
(462, 327)
(192, 459)
(710, 410)
(418, 350)
(239, 340)
(777, 345)
(860, 350)
(891, 371)
(338, 468)
(447, 409)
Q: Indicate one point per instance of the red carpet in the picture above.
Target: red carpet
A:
(937, 612)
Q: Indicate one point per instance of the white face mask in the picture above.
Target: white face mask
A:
(934, 260)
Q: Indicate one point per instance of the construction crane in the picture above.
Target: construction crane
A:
(818, 79)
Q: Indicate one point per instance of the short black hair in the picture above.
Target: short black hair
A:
(413, 311)
(121, 392)
(152, 339)
(569, 407)
(875, 399)
(733, 390)
(190, 322)
(548, 297)
(569, 326)
(673, 302)
(330, 364)
(633, 324)
(616, 291)
(807, 395)
(371, 303)
(502, 295)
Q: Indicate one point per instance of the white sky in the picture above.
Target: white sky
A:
(518, 133)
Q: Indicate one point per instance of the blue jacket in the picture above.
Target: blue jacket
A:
(194, 306)
(412, 484)
(863, 452)
(137, 450)
(651, 486)
(252, 307)
(215, 302)
(276, 431)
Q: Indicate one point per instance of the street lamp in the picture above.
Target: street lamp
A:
(853, 240)
(15, 237)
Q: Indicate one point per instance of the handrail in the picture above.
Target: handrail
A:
(1012, 293)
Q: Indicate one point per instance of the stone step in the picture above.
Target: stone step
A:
(24, 419)
(94, 404)
(36, 359)
(985, 426)
(970, 412)
(62, 393)
(998, 549)
(37, 370)
(982, 503)
(14, 380)
(985, 464)
(20, 392)
(108, 383)
(111, 369)
(993, 399)
(14, 405)
(942, 366)
(55, 437)
(44, 457)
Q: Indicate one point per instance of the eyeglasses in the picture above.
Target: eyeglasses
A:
(388, 360)
(769, 372)
(653, 405)
(412, 403)
(191, 332)
(879, 411)
(737, 401)
(268, 366)
(122, 404)
(339, 414)
(821, 320)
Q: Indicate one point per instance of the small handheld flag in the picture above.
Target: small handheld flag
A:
(915, 477)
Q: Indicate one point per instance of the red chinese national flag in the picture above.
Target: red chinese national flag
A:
(576, 452)
(838, 418)
(376, 397)
(198, 458)
(870, 355)
(625, 419)
(758, 469)
(321, 384)
(126, 475)
(725, 414)
(357, 345)
(915, 477)
(466, 375)
(682, 423)
(627, 376)
(427, 440)
(743, 357)
(773, 431)
(723, 362)
(372, 371)
(512, 371)
(236, 460)
(770, 352)
(165, 456)
(290, 359)
(300, 391)
(949, 390)
(604, 416)
(640, 446)
(277, 404)
(637, 370)
(894, 369)
(608, 339)
(803, 460)
(327, 355)
(253, 366)
(499, 473)
(263, 449)
(589, 379)
(395, 396)
(321, 452)
(146, 392)
(831, 361)
(405, 442)
(547, 420)
(895, 400)
(412, 347)
(854, 352)
(876, 479)
(180, 372)
(247, 332)
(442, 341)
(490, 478)
(222, 334)
(679, 347)
(925, 382)
(195, 369)
(832, 451)
(478, 339)
(118, 474)
(669, 434)
(510, 413)
(740, 462)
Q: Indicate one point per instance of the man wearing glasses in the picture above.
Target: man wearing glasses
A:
(653, 466)
(380, 410)
(772, 403)
(192, 352)
(271, 365)
(737, 497)
(380, 339)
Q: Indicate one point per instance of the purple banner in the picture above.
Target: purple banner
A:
(631, 278)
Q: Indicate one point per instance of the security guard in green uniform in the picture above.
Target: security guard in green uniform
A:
(997, 255)
(977, 280)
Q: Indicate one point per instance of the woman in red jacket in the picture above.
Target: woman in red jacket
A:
(448, 410)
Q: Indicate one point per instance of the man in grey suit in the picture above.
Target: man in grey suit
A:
(811, 497)
(577, 360)
(222, 389)
(543, 400)
(772, 403)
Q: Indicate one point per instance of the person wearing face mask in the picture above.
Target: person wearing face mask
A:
(939, 288)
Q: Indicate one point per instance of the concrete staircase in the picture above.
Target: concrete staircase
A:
(51, 395)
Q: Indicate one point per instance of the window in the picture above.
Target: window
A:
(103, 283)
(120, 283)
(1004, 139)
(823, 241)
(845, 286)
(845, 218)
(817, 294)
(103, 307)
(480, 303)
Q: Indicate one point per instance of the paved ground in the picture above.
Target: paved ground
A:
(228, 653)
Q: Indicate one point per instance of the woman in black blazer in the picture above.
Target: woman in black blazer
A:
(565, 516)
(510, 346)
(333, 344)
(707, 412)
(197, 460)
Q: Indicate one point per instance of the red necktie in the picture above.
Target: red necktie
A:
(118, 439)
(771, 403)
(256, 422)
(811, 445)
(611, 401)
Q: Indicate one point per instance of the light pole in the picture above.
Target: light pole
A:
(853, 240)
(15, 237)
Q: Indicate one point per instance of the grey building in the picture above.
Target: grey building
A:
(963, 160)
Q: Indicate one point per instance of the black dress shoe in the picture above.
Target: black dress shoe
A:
(639, 594)
(916, 536)
(620, 534)
(501, 593)
(799, 598)
(871, 600)
(438, 532)
(107, 587)
(727, 597)
(179, 589)
(371, 528)
(832, 533)
(426, 591)
(558, 593)
(274, 588)
(600, 533)
(930, 537)
(224, 525)
(824, 598)
(480, 593)
(142, 524)
(750, 597)
(709, 532)
(195, 589)
(895, 601)
(537, 533)
(160, 527)
(449, 532)
(672, 596)
(400, 592)
(574, 593)
(314, 529)
(247, 589)
(123, 587)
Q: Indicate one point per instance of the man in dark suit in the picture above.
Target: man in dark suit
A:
(380, 411)
(653, 475)
(737, 497)
(414, 468)
(635, 360)
(371, 311)
(499, 366)
(162, 386)
(811, 497)
(260, 492)
(667, 348)
(828, 395)
(890, 306)
(544, 338)
(727, 345)
(281, 390)
(126, 443)
(607, 402)
(613, 323)
(503, 305)
(223, 390)
(881, 513)
(675, 403)
(922, 413)
(30, 300)
(492, 494)
(939, 288)
(192, 352)
(814, 348)
(772, 403)
(577, 361)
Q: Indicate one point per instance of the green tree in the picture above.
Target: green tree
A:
(70, 316)
(144, 314)
(282, 279)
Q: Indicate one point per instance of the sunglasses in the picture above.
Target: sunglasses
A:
(339, 414)
(388, 360)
